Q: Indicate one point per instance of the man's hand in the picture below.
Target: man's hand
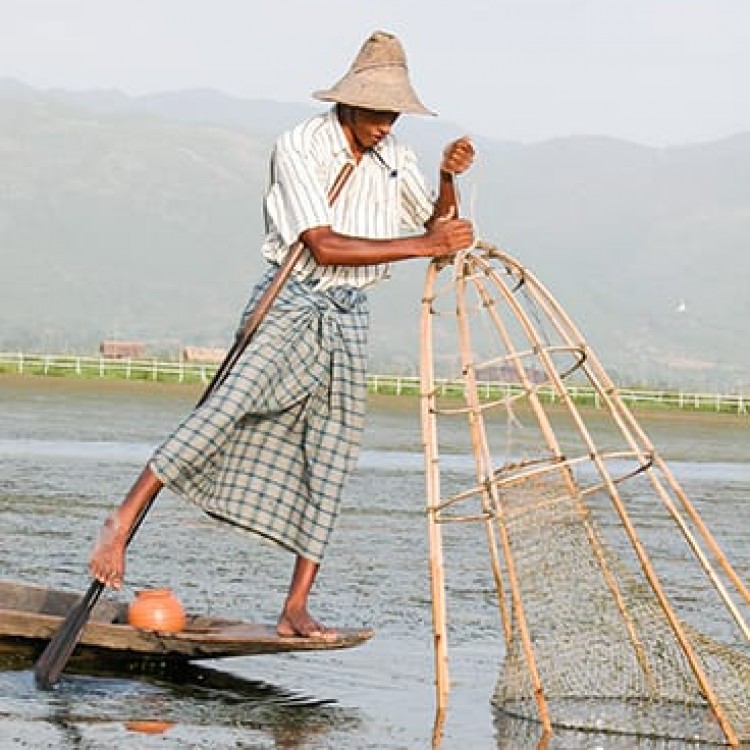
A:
(457, 156)
(448, 235)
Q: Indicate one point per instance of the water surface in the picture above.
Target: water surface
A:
(70, 449)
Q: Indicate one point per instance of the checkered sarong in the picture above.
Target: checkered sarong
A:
(270, 450)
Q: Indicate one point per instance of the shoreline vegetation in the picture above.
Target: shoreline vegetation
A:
(181, 373)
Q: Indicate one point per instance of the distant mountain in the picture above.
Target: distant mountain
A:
(140, 217)
(648, 248)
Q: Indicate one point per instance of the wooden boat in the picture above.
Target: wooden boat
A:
(30, 615)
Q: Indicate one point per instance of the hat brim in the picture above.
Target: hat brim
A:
(378, 90)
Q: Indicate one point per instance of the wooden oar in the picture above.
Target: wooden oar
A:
(53, 659)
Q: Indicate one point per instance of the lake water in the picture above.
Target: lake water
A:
(70, 449)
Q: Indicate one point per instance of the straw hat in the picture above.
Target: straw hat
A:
(378, 79)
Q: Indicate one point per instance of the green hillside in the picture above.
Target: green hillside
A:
(140, 218)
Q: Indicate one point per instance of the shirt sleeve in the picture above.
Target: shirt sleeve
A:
(417, 200)
(296, 199)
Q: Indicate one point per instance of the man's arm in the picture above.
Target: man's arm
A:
(457, 158)
(444, 236)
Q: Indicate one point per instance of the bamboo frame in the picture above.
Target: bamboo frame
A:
(474, 268)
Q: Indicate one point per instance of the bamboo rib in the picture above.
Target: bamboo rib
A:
(497, 575)
(432, 476)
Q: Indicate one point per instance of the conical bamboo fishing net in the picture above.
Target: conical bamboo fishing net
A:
(620, 611)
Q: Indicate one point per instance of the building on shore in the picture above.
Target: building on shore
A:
(122, 349)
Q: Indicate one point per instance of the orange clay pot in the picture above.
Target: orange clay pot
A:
(149, 727)
(157, 609)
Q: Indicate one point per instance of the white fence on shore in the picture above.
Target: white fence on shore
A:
(200, 372)
(105, 367)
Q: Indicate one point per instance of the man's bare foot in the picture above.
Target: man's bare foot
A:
(298, 623)
(107, 562)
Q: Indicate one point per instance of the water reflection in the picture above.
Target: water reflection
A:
(181, 703)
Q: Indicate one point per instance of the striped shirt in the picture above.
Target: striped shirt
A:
(381, 199)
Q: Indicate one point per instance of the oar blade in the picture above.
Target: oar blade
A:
(53, 659)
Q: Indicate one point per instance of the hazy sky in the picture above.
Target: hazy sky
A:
(653, 71)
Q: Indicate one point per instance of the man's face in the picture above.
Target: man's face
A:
(369, 126)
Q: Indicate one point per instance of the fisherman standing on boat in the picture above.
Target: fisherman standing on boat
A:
(270, 450)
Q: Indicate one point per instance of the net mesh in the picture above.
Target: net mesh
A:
(607, 655)
(622, 613)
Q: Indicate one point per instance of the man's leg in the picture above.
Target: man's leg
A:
(108, 558)
(295, 620)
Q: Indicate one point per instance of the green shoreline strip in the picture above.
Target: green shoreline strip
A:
(156, 371)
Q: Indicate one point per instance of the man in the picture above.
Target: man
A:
(270, 450)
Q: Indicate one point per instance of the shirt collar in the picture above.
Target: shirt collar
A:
(339, 143)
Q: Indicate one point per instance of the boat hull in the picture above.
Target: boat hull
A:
(30, 615)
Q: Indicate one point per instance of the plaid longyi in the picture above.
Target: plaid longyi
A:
(270, 450)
